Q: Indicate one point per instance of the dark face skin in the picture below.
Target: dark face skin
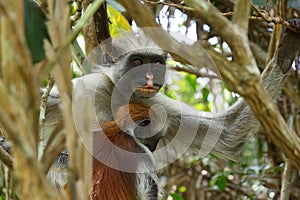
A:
(142, 77)
(145, 75)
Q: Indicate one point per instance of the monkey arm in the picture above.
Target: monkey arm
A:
(233, 127)
(222, 133)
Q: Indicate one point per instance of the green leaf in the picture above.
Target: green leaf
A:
(176, 196)
(192, 81)
(222, 182)
(279, 168)
(213, 180)
(166, 90)
(182, 189)
(118, 22)
(205, 93)
(35, 29)
(188, 88)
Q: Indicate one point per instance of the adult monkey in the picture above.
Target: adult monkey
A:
(143, 59)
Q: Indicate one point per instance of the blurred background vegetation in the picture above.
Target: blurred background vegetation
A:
(258, 172)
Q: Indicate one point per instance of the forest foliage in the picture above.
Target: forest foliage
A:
(36, 49)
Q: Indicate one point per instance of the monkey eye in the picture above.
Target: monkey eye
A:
(144, 122)
(137, 62)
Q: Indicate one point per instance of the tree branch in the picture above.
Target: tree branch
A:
(275, 20)
(79, 57)
(235, 36)
(42, 71)
(241, 14)
(245, 80)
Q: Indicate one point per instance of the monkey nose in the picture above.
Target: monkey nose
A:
(149, 79)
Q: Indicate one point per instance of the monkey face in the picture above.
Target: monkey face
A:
(145, 75)
(153, 78)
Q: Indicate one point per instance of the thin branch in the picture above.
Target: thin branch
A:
(79, 57)
(19, 65)
(287, 176)
(11, 119)
(288, 173)
(259, 54)
(197, 73)
(241, 14)
(89, 30)
(77, 175)
(276, 19)
(43, 115)
(267, 18)
(44, 99)
(44, 69)
(231, 33)
(180, 7)
(51, 151)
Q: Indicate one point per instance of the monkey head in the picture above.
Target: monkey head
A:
(150, 73)
(139, 74)
(135, 64)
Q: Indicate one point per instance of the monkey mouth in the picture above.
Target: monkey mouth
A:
(146, 91)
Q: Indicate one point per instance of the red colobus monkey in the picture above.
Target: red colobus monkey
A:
(146, 64)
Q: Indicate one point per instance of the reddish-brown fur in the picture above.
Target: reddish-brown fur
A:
(108, 183)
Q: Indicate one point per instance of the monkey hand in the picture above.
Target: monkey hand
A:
(288, 46)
